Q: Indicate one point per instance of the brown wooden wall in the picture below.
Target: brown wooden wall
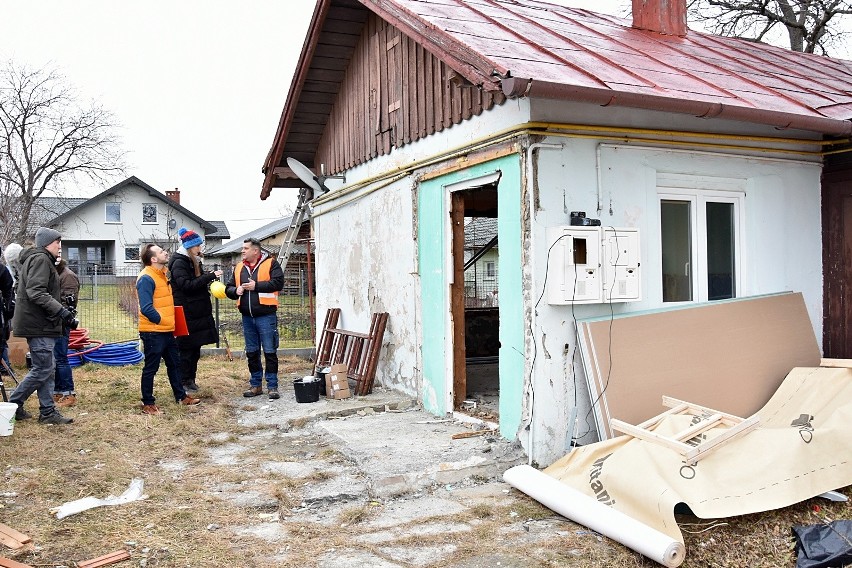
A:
(394, 92)
(837, 256)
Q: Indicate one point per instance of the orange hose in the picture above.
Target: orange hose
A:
(81, 344)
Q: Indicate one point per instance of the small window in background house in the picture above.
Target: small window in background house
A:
(490, 271)
(113, 213)
(149, 212)
(131, 253)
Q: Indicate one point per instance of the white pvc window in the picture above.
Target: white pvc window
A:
(701, 244)
(112, 213)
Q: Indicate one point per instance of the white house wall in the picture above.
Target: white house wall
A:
(782, 251)
(366, 247)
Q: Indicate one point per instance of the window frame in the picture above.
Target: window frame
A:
(106, 212)
(698, 199)
(156, 220)
(490, 269)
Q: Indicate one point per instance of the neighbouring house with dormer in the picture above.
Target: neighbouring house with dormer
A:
(103, 234)
(627, 166)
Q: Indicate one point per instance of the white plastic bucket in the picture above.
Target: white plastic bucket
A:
(7, 418)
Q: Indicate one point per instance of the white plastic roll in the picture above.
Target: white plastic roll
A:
(601, 518)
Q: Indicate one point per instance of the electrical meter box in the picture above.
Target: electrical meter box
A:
(591, 265)
(620, 265)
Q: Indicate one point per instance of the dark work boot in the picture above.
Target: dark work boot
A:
(21, 414)
(54, 418)
(190, 386)
(253, 391)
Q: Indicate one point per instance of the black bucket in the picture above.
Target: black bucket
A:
(321, 375)
(306, 391)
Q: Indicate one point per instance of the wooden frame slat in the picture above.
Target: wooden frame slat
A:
(710, 419)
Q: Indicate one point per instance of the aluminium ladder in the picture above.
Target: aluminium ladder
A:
(293, 230)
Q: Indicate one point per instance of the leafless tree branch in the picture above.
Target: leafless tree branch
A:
(48, 140)
(811, 26)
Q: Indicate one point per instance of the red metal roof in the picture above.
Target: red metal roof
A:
(563, 52)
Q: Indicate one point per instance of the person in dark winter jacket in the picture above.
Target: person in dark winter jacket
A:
(64, 394)
(255, 284)
(7, 309)
(39, 317)
(189, 287)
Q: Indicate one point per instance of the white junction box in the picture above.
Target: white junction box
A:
(591, 265)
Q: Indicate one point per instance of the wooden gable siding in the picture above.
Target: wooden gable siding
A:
(394, 92)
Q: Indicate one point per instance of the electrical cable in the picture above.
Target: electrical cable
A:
(609, 348)
(535, 308)
(111, 354)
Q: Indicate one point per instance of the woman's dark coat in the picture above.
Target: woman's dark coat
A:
(190, 291)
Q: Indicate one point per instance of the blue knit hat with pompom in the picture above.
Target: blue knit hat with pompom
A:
(189, 238)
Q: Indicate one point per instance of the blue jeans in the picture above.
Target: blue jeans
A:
(40, 376)
(64, 379)
(261, 332)
(160, 345)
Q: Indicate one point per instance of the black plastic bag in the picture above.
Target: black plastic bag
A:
(824, 546)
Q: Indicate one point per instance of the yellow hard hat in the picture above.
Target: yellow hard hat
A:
(218, 290)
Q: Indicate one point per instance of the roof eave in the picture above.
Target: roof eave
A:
(474, 67)
(276, 152)
(516, 87)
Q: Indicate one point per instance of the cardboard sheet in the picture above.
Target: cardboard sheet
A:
(800, 449)
(729, 356)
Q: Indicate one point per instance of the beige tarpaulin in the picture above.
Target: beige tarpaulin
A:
(801, 448)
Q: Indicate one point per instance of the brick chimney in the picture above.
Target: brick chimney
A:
(174, 195)
(662, 16)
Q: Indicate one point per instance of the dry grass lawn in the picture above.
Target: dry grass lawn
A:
(184, 523)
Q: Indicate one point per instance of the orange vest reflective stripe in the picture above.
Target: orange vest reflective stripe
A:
(164, 302)
(262, 274)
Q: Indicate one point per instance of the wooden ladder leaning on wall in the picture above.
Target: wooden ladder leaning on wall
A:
(358, 351)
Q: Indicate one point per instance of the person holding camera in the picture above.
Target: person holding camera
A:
(63, 385)
(40, 317)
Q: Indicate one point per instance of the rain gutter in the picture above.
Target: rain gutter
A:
(515, 87)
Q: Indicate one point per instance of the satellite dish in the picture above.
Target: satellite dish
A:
(307, 176)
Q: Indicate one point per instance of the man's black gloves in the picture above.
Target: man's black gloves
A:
(69, 318)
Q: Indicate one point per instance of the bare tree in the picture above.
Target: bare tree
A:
(48, 140)
(812, 26)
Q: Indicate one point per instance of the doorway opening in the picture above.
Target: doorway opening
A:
(475, 303)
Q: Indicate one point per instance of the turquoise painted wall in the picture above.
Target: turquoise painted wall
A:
(434, 295)
(510, 278)
(432, 244)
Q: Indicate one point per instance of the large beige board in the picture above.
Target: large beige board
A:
(729, 356)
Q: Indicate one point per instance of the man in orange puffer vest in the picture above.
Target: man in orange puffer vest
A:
(157, 327)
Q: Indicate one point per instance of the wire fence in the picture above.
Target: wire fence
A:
(108, 309)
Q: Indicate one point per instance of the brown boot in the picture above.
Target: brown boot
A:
(56, 397)
(66, 401)
(189, 401)
(253, 391)
(150, 409)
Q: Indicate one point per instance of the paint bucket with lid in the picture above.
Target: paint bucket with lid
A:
(7, 418)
